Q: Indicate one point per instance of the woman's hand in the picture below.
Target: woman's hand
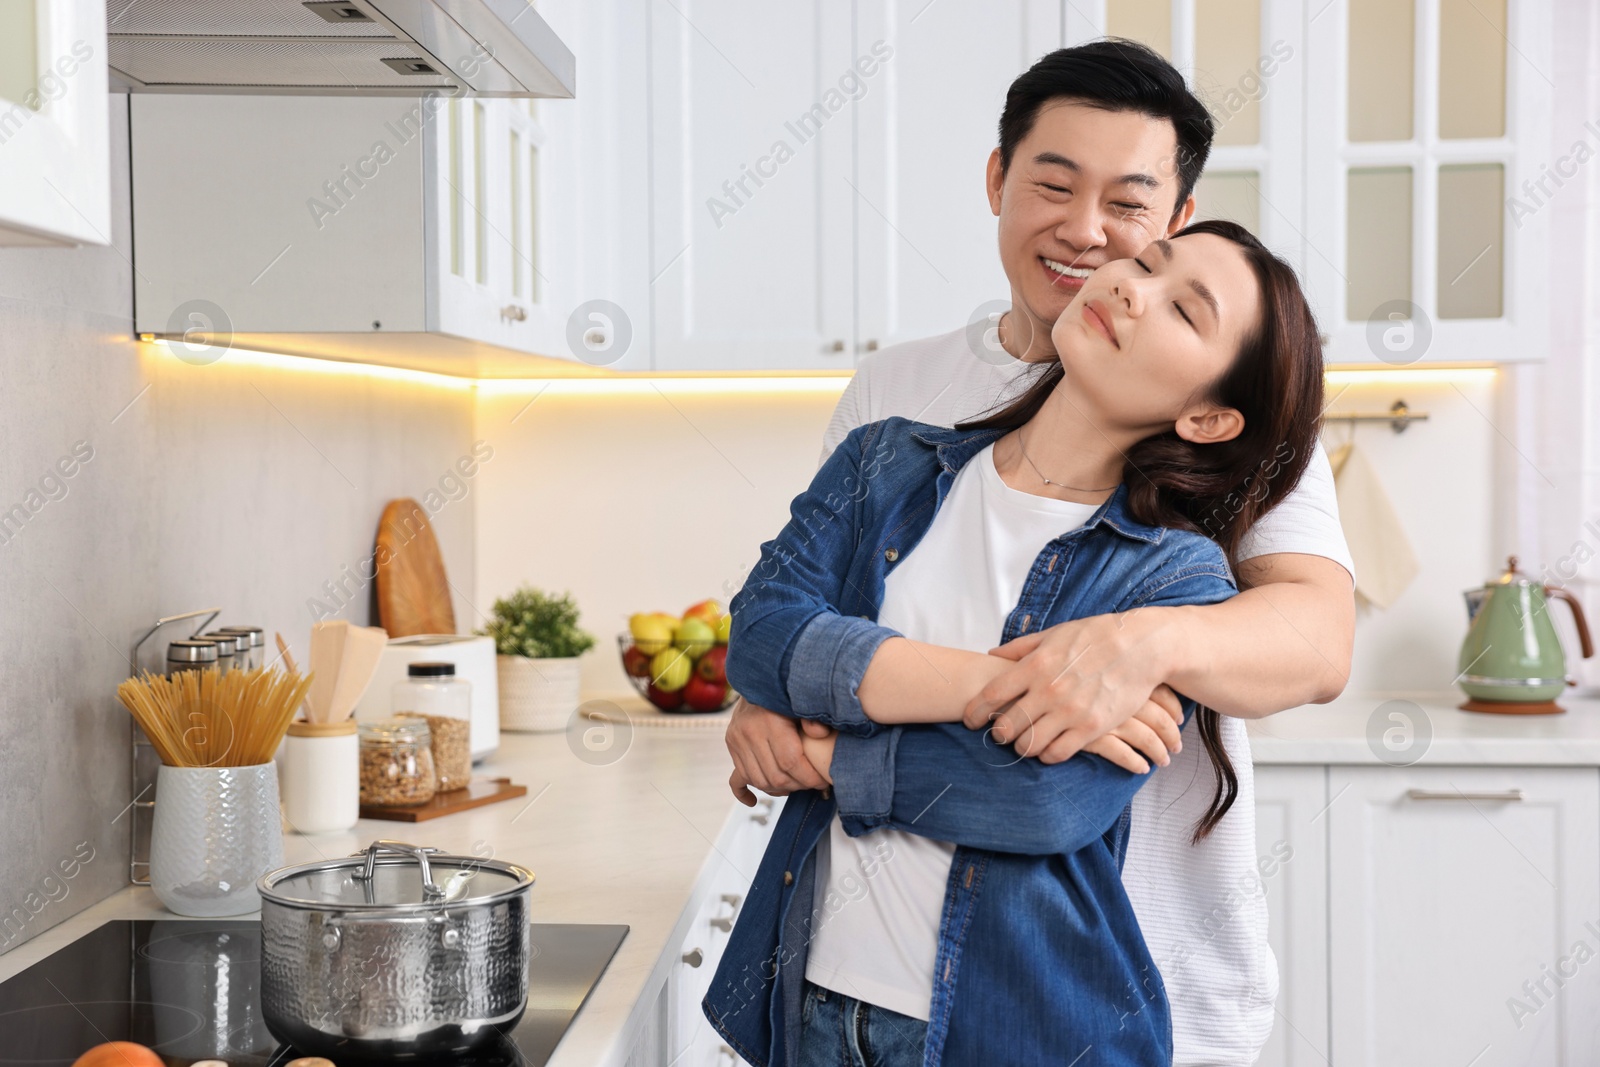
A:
(1153, 731)
(817, 741)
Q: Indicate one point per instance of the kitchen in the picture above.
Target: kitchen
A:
(240, 322)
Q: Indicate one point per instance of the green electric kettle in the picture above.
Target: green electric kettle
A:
(1511, 661)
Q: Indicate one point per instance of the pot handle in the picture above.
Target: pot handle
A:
(430, 891)
(1586, 646)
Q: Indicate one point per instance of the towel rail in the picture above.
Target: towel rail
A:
(1399, 416)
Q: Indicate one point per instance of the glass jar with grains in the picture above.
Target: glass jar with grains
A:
(396, 763)
(432, 692)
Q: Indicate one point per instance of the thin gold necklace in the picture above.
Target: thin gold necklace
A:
(1048, 481)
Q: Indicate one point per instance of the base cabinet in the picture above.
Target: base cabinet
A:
(1292, 851)
(1464, 909)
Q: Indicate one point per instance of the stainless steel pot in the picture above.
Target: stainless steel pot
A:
(395, 953)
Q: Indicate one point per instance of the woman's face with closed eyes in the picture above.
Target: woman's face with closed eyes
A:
(1146, 338)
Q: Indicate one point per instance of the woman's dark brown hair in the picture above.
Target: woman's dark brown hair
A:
(1221, 490)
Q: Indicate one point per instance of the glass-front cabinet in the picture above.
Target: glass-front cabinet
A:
(1390, 149)
(55, 179)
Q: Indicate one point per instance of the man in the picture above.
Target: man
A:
(1100, 148)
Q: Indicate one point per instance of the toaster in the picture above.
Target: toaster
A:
(474, 658)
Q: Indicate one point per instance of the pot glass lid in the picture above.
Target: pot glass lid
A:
(396, 880)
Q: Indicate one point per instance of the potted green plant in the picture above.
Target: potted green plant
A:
(537, 642)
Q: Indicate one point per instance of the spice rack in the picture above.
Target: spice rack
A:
(142, 761)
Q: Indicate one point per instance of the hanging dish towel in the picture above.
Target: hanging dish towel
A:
(1385, 564)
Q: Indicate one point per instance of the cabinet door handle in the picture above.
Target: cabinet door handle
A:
(1503, 796)
(726, 1055)
(762, 813)
(871, 345)
(837, 346)
(514, 313)
(694, 957)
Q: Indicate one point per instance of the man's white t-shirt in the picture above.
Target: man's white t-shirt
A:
(1201, 907)
(879, 896)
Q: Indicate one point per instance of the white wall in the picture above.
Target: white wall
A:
(636, 502)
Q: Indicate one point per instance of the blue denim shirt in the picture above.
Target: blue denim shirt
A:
(1039, 958)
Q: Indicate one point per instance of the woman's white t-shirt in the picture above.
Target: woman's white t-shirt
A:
(879, 896)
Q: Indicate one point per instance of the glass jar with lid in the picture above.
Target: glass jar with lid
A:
(396, 763)
(431, 691)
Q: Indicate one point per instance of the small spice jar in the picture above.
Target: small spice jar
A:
(190, 656)
(396, 763)
(431, 691)
(251, 645)
(227, 650)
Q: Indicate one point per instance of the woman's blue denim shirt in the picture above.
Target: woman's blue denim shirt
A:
(1040, 959)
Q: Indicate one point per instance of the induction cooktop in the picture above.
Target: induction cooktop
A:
(190, 990)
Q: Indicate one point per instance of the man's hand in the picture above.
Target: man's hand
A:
(767, 754)
(1075, 684)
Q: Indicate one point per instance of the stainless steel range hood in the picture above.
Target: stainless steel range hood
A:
(336, 47)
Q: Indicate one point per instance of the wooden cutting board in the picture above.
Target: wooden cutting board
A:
(413, 593)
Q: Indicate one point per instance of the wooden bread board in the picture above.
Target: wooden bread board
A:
(413, 592)
(478, 792)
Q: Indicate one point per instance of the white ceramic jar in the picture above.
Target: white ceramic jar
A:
(321, 777)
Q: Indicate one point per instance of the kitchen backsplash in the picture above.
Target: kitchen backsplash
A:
(653, 501)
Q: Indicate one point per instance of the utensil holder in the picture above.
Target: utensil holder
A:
(537, 695)
(217, 830)
(321, 777)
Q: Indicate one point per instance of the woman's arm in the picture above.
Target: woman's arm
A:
(792, 650)
(912, 681)
(953, 784)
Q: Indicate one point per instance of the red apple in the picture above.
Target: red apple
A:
(701, 695)
(664, 700)
(713, 665)
(636, 661)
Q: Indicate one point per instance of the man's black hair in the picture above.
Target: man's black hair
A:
(1116, 75)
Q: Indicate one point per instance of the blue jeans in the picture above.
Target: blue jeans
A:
(841, 1031)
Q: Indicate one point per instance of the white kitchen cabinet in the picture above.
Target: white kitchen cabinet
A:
(1454, 893)
(1292, 846)
(925, 237)
(750, 161)
(1427, 144)
(55, 158)
(817, 175)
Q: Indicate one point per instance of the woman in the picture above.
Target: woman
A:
(965, 904)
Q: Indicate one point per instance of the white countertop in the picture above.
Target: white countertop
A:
(620, 842)
(1339, 732)
(628, 841)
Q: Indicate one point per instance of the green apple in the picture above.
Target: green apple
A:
(670, 669)
(694, 637)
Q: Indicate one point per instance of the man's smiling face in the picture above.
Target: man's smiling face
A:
(1085, 186)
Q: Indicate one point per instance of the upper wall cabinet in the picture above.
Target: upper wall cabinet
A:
(442, 233)
(1425, 142)
(817, 175)
(1390, 149)
(55, 174)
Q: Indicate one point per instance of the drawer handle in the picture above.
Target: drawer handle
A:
(694, 957)
(726, 1055)
(1504, 795)
(762, 813)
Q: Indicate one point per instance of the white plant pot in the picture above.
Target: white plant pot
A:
(537, 695)
(216, 830)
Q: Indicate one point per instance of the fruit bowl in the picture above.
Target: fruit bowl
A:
(635, 659)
